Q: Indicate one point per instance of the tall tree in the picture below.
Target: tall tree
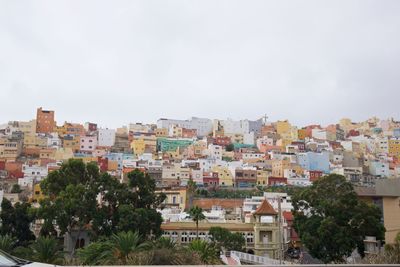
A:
(206, 250)
(331, 221)
(144, 186)
(79, 195)
(196, 213)
(47, 250)
(191, 190)
(16, 221)
(223, 238)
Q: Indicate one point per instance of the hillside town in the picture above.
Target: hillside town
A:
(239, 172)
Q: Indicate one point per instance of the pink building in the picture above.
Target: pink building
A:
(88, 143)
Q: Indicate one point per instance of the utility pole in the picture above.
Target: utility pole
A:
(280, 230)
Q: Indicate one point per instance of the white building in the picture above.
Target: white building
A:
(53, 141)
(106, 137)
(232, 127)
(34, 172)
(215, 152)
(203, 126)
(251, 204)
(88, 143)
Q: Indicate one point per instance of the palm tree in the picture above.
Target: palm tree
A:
(197, 215)
(207, 251)
(96, 253)
(125, 243)
(393, 250)
(164, 242)
(191, 189)
(47, 250)
(7, 243)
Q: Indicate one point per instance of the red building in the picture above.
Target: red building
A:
(315, 175)
(300, 145)
(222, 140)
(291, 233)
(210, 179)
(44, 121)
(189, 133)
(353, 133)
(103, 164)
(277, 181)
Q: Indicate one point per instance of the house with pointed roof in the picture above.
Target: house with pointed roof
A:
(266, 231)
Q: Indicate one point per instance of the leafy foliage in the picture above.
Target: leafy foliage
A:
(207, 251)
(196, 213)
(79, 195)
(331, 221)
(117, 249)
(223, 238)
(46, 250)
(7, 243)
(16, 220)
(16, 189)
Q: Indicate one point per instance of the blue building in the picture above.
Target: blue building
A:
(313, 161)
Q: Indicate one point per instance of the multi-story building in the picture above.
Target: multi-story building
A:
(45, 122)
(106, 137)
(245, 177)
(88, 143)
(202, 126)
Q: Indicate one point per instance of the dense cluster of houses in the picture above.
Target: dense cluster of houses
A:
(229, 154)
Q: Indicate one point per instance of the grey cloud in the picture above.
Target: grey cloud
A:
(117, 62)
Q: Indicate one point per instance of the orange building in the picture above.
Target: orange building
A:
(44, 121)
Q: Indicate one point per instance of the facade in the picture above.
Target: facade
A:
(202, 126)
(45, 122)
(106, 137)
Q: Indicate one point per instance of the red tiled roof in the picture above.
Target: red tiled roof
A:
(287, 215)
(207, 203)
(265, 209)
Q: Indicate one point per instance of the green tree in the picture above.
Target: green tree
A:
(116, 250)
(96, 253)
(125, 243)
(223, 238)
(16, 189)
(196, 213)
(16, 220)
(331, 221)
(392, 251)
(47, 250)
(191, 190)
(207, 251)
(143, 186)
(7, 243)
(230, 148)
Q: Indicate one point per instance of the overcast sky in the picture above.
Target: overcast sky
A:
(115, 62)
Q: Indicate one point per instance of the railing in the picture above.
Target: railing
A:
(254, 259)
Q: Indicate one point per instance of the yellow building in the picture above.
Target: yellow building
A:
(283, 127)
(34, 141)
(283, 143)
(224, 174)
(73, 142)
(279, 167)
(394, 147)
(301, 134)
(37, 194)
(161, 132)
(138, 146)
(112, 165)
(47, 153)
(175, 197)
(63, 154)
(262, 177)
(87, 160)
(27, 127)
